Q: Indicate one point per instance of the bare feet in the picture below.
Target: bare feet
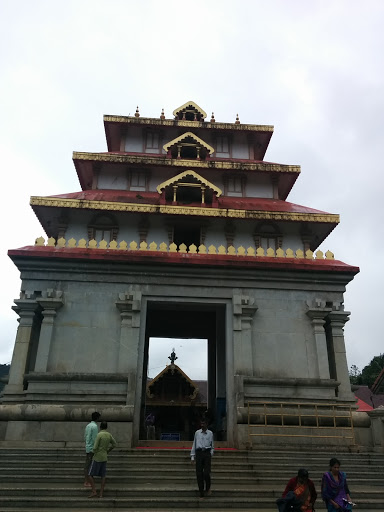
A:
(93, 495)
(209, 492)
(100, 495)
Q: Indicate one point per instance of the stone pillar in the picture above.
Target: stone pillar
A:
(50, 303)
(129, 305)
(377, 428)
(244, 309)
(26, 309)
(337, 320)
(317, 316)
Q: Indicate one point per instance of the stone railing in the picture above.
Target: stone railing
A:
(182, 248)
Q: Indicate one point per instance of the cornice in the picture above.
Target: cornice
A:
(192, 124)
(183, 210)
(183, 162)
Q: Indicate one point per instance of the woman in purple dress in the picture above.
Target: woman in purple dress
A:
(334, 488)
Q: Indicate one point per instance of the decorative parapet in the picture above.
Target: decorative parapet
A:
(183, 249)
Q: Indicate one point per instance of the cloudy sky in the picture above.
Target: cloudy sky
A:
(313, 69)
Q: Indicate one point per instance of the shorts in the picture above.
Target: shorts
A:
(98, 469)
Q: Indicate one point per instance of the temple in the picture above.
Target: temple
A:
(180, 230)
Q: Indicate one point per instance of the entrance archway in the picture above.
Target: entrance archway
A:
(179, 405)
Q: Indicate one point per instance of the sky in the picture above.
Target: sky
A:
(314, 70)
(185, 349)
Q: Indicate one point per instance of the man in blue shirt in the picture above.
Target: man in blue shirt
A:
(202, 449)
(90, 433)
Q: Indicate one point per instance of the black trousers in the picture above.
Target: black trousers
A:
(203, 470)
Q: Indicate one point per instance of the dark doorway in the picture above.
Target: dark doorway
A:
(177, 400)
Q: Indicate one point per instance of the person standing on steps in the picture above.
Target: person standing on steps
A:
(150, 426)
(334, 488)
(103, 445)
(90, 433)
(202, 450)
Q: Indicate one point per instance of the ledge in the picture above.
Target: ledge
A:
(148, 257)
(93, 377)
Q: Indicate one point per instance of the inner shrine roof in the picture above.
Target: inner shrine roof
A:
(172, 368)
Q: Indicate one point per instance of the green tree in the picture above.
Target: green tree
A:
(355, 375)
(371, 371)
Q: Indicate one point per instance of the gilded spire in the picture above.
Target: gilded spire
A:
(162, 116)
(237, 119)
(213, 120)
(137, 113)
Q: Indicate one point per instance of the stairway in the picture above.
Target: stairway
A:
(163, 479)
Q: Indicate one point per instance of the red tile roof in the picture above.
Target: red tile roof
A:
(362, 406)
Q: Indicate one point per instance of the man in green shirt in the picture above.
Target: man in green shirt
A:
(90, 433)
(103, 445)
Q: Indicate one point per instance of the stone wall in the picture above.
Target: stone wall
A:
(81, 339)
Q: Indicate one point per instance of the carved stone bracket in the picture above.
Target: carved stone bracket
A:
(26, 309)
(50, 301)
(337, 320)
(129, 305)
(244, 308)
(321, 304)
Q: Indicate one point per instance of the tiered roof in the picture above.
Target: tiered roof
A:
(189, 118)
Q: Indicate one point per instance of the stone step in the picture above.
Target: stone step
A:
(47, 480)
(181, 470)
(119, 477)
(262, 455)
(201, 506)
(176, 492)
(173, 463)
(170, 503)
(236, 457)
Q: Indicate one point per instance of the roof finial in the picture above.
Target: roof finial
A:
(213, 120)
(137, 113)
(173, 356)
(237, 119)
(162, 116)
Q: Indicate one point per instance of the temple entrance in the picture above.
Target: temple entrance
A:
(184, 369)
